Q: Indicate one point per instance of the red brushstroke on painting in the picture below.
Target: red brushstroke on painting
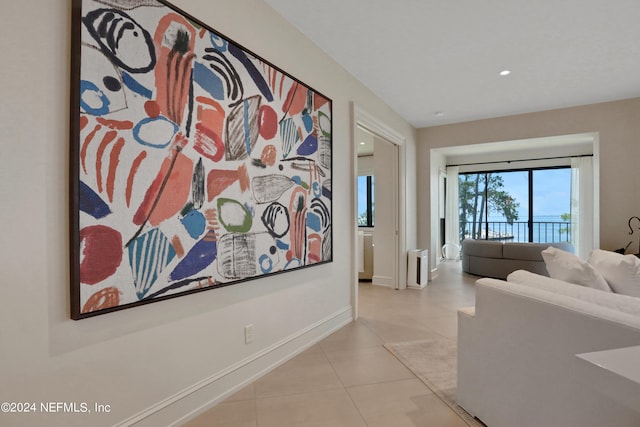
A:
(173, 69)
(205, 283)
(104, 298)
(298, 212)
(114, 160)
(269, 154)
(85, 147)
(296, 99)
(83, 122)
(132, 173)
(213, 117)
(314, 248)
(218, 180)
(102, 253)
(268, 122)
(208, 101)
(208, 143)
(243, 178)
(177, 246)
(274, 76)
(169, 191)
(152, 109)
(319, 101)
(116, 124)
(281, 85)
(106, 140)
(212, 219)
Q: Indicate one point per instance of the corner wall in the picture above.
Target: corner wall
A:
(157, 363)
(618, 126)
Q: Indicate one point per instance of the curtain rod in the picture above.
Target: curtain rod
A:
(523, 160)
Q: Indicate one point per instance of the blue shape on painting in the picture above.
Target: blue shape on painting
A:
(201, 255)
(326, 192)
(297, 180)
(149, 254)
(208, 81)
(317, 191)
(135, 86)
(148, 121)
(218, 42)
(266, 263)
(195, 223)
(90, 95)
(255, 74)
(307, 120)
(309, 146)
(91, 203)
(247, 130)
(282, 245)
(250, 209)
(314, 222)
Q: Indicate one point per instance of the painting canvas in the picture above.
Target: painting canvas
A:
(195, 163)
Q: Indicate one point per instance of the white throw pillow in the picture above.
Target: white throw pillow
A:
(566, 266)
(622, 272)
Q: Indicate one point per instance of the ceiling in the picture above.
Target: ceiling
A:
(438, 61)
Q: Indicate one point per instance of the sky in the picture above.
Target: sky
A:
(551, 191)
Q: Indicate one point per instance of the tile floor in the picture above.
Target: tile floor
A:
(349, 378)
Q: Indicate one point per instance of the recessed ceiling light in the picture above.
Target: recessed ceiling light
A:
(438, 114)
(362, 143)
(505, 72)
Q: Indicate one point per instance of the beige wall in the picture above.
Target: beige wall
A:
(157, 362)
(618, 151)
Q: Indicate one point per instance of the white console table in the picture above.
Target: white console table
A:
(622, 361)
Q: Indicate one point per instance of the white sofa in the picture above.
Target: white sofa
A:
(517, 348)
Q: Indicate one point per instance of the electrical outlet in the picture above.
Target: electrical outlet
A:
(248, 333)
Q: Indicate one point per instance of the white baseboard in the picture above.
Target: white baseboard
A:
(383, 281)
(190, 402)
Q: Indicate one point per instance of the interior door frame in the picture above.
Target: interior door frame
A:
(362, 118)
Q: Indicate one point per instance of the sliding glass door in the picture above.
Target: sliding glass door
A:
(551, 205)
(526, 205)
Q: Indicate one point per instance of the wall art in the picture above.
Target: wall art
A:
(195, 163)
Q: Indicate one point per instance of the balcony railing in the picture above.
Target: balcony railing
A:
(518, 231)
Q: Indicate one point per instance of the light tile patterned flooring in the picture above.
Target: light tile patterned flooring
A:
(349, 378)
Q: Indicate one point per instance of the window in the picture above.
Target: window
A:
(365, 201)
(526, 205)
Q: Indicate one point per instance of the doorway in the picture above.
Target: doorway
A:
(377, 209)
(389, 228)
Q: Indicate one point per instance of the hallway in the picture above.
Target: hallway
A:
(349, 378)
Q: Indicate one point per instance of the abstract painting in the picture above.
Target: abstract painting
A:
(196, 164)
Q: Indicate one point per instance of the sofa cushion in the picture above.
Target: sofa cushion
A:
(622, 272)
(482, 248)
(563, 265)
(622, 303)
